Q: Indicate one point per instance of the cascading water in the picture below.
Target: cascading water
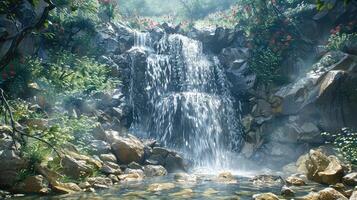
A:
(188, 106)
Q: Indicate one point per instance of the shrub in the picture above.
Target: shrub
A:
(339, 41)
(345, 143)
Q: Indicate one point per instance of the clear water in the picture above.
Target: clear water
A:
(203, 189)
(190, 108)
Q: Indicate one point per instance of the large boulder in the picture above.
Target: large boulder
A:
(128, 149)
(323, 169)
(32, 184)
(326, 194)
(350, 179)
(167, 158)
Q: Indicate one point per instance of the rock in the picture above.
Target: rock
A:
(185, 178)
(134, 165)
(156, 187)
(287, 192)
(32, 184)
(154, 170)
(323, 169)
(128, 149)
(312, 95)
(11, 165)
(108, 157)
(350, 179)
(76, 168)
(65, 188)
(209, 192)
(100, 182)
(174, 163)
(132, 175)
(262, 108)
(99, 147)
(114, 178)
(227, 178)
(296, 181)
(84, 185)
(265, 196)
(266, 180)
(326, 194)
(354, 196)
(111, 168)
(185, 193)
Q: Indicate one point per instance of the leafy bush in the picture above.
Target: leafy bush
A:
(266, 65)
(67, 73)
(345, 143)
(339, 41)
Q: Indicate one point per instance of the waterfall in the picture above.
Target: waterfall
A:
(188, 106)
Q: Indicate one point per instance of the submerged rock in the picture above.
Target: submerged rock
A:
(287, 192)
(267, 180)
(185, 178)
(183, 194)
(155, 187)
(265, 196)
(227, 178)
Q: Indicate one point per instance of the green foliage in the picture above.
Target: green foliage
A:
(327, 5)
(266, 65)
(339, 41)
(346, 143)
(68, 73)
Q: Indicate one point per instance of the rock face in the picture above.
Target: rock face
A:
(320, 93)
(128, 149)
(323, 169)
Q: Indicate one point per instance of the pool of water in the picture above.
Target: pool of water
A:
(205, 188)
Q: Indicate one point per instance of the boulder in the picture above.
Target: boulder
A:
(100, 182)
(132, 175)
(111, 168)
(265, 196)
(32, 184)
(65, 188)
(326, 194)
(226, 178)
(295, 181)
(154, 170)
(76, 168)
(99, 147)
(108, 158)
(354, 196)
(128, 149)
(287, 192)
(323, 169)
(174, 163)
(350, 179)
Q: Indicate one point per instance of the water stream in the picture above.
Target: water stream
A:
(188, 105)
